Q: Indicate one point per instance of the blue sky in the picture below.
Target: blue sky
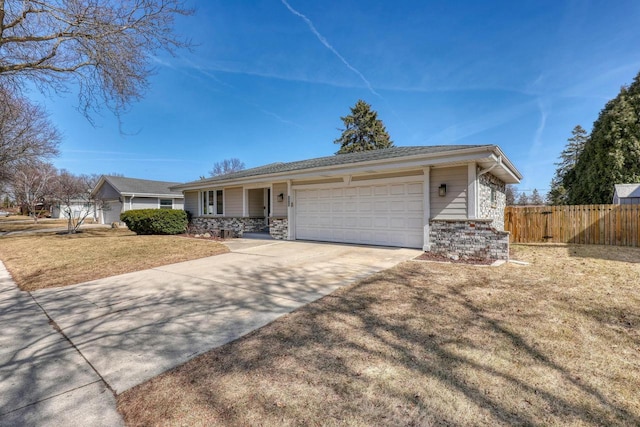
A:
(268, 81)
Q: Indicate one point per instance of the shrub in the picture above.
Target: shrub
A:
(155, 221)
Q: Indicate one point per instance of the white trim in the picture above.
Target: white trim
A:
(426, 190)
(256, 185)
(270, 201)
(291, 219)
(245, 202)
(151, 195)
(472, 191)
(364, 182)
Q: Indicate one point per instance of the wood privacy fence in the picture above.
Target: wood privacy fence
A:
(616, 225)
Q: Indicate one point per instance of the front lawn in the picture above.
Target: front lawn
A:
(556, 342)
(49, 260)
(28, 224)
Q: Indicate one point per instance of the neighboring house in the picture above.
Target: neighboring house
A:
(626, 194)
(79, 209)
(118, 194)
(446, 199)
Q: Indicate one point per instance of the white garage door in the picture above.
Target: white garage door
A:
(390, 215)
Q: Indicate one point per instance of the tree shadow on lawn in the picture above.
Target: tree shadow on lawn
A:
(607, 253)
(393, 349)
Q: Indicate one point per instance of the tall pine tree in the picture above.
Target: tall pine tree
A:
(558, 194)
(611, 155)
(363, 131)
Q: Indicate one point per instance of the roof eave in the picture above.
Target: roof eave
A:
(416, 160)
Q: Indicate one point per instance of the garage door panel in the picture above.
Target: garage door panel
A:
(414, 223)
(381, 222)
(415, 188)
(381, 191)
(381, 206)
(390, 215)
(397, 190)
(364, 191)
(414, 206)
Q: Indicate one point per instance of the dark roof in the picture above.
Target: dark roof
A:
(142, 186)
(338, 159)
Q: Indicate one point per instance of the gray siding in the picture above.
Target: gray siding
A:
(178, 204)
(191, 202)
(111, 212)
(107, 192)
(629, 201)
(233, 201)
(279, 208)
(142, 203)
(454, 204)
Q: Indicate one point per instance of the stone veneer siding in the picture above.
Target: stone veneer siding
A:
(468, 239)
(278, 228)
(238, 225)
(494, 211)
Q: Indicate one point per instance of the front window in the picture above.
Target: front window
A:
(166, 204)
(212, 202)
(219, 200)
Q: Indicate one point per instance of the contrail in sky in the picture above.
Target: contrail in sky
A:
(326, 43)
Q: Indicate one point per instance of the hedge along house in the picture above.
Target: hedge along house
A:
(445, 199)
(118, 194)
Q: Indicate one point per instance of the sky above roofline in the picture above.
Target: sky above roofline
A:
(268, 81)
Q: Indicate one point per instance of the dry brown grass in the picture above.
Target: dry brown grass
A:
(9, 224)
(15, 218)
(49, 260)
(552, 343)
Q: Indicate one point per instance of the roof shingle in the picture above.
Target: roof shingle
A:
(142, 186)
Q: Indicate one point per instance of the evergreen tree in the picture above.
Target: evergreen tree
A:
(522, 200)
(363, 131)
(558, 194)
(536, 198)
(612, 153)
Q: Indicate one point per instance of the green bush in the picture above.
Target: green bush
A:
(155, 221)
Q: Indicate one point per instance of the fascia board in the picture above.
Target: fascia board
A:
(166, 196)
(510, 167)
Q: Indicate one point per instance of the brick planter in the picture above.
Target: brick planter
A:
(238, 225)
(460, 239)
(278, 227)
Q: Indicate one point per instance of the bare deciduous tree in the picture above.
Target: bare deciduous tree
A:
(73, 195)
(105, 47)
(26, 134)
(32, 186)
(226, 166)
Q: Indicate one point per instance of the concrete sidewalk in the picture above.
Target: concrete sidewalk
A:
(132, 327)
(44, 380)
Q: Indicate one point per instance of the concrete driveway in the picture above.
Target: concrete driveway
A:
(132, 327)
